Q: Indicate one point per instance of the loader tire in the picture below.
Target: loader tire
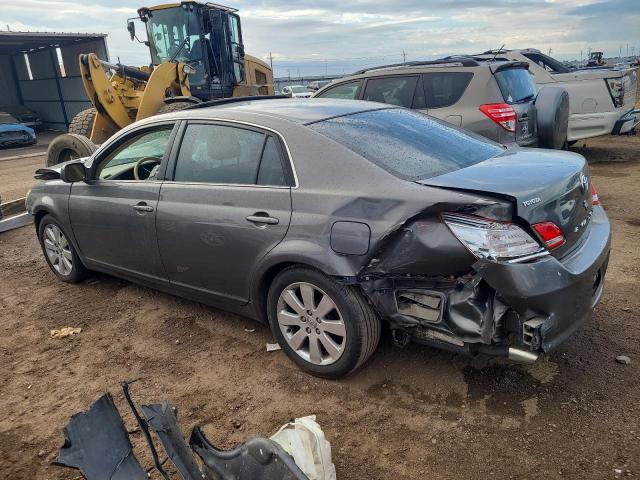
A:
(82, 123)
(69, 146)
(174, 107)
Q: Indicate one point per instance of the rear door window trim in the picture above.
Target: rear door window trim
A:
(283, 149)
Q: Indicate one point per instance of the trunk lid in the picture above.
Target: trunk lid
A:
(543, 186)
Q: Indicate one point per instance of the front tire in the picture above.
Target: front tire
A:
(59, 252)
(174, 107)
(82, 123)
(326, 328)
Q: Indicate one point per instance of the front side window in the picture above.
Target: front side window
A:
(445, 89)
(344, 91)
(393, 90)
(220, 154)
(140, 155)
(407, 143)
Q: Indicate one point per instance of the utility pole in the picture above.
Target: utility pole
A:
(627, 49)
(620, 52)
(271, 61)
(404, 57)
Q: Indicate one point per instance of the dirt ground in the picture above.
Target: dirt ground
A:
(412, 413)
(16, 170)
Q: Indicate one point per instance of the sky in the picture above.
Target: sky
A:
(313, 37)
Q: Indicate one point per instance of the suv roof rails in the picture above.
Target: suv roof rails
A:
(224, 101)
(465, 61)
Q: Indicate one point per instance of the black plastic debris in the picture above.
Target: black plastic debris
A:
(96, 442)
(256, 458)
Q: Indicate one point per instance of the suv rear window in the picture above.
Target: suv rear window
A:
(406, 143)
(445, 89)
(516, 85)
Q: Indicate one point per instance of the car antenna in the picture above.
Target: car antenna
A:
(497, 51)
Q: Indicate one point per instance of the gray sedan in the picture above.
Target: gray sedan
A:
(325, 218)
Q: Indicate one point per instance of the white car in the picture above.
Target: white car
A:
(296, 91)
(601, 99)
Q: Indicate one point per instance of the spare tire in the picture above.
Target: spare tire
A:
(82, 123)
(69, 146)
(552, 105)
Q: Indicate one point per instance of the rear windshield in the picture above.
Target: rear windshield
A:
(407, 143)
(516, 85)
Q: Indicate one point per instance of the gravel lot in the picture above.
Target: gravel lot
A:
(412, 413)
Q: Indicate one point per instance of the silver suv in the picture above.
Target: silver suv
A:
(496, 101)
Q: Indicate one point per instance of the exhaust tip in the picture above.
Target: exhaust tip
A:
(522, 356)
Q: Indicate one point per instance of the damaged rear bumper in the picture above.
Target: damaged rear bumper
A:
(532, 306)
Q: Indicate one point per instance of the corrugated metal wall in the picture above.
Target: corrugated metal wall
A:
(54, 97)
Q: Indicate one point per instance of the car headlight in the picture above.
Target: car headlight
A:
(490, 239)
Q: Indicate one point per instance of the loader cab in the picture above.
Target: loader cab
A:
(207, 37)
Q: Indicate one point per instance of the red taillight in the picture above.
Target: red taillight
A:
(501, 113)
(594, 195)
(550, 234)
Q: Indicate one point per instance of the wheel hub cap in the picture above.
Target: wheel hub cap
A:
(58, 249)
(311, 323)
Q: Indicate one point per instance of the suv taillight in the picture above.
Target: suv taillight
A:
(501, 113)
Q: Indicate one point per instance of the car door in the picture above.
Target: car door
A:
(113, 213)
(228, 204)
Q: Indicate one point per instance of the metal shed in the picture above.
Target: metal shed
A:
(40, 71)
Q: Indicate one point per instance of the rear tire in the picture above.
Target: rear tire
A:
(357, 324)
(82, 123)
(67, 147)
(174, 107)
(59, 252)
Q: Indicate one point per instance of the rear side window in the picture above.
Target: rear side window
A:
(270, 171)
(516, 85)
(345, 91)
(406, 143)
(394, 90)
(445, 89)
(228, 155)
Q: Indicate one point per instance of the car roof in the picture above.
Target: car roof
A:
(292, 110)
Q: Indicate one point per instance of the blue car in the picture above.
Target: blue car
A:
(13, 133)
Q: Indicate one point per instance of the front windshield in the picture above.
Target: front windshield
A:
(300, 89)
(173, 33)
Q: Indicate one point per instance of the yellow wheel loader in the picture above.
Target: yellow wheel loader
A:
(197, 55)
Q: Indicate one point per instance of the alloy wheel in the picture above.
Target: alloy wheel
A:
(58, 249)
(311, 323)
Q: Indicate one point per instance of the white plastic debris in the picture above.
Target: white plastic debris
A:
(272, 347)
(304, 440)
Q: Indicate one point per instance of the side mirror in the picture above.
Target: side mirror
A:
(73, 172)
(131, 28)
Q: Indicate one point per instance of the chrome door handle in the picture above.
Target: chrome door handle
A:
(142, 207)
(264, 218)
